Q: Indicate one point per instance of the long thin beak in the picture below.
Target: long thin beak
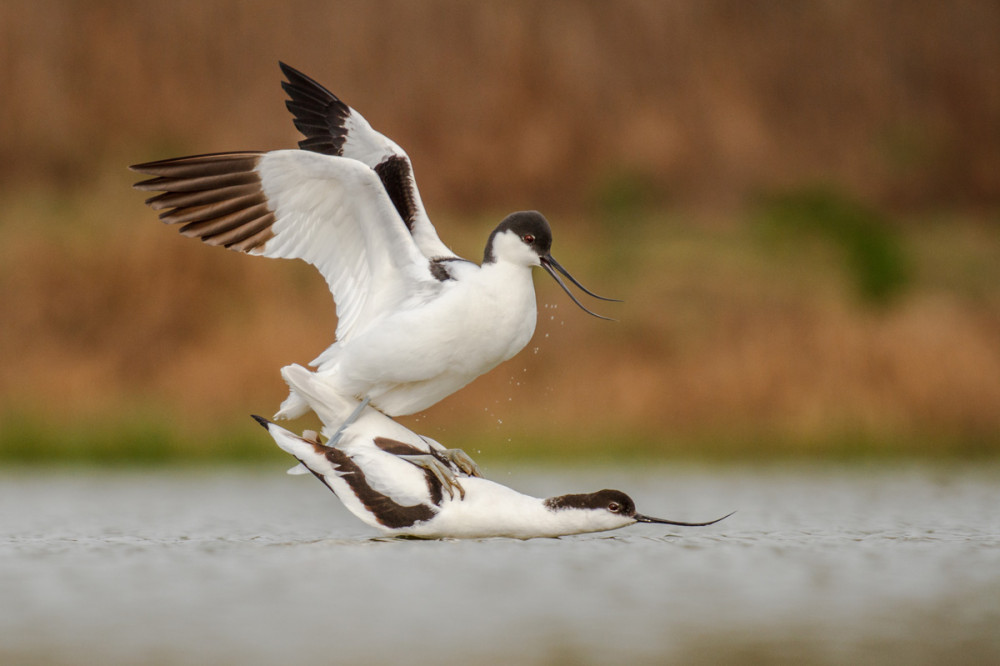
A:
(556, 265)
(647, 519)
(551, 266)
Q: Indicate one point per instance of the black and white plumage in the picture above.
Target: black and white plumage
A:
(415, 321)
(376, 468)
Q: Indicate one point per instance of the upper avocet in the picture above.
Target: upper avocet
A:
(415, 321)
(408, 485)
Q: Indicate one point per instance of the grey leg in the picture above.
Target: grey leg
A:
(350, 420)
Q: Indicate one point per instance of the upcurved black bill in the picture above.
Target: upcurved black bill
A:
(647, 519)
(551, 265)
(556, 265)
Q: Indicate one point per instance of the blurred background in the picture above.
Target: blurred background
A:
(798, 202)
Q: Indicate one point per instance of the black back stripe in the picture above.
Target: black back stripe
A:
(440, 271)
(398, 448)
(439, 267)
(396, 177)
(386, 511)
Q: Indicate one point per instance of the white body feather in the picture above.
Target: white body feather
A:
(405, 339)
(488, 509)
(415, 321)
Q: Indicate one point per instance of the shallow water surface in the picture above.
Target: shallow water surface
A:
(819, 565)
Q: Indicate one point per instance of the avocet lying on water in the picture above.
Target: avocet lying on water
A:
(416, 322)
(408, 485)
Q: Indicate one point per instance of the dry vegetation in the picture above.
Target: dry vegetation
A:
(894, 101)
(647, 131)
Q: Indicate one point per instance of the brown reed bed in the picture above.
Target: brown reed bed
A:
(893, 102)
(648, 132)
(730, 341)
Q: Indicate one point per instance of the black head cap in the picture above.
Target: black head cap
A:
(530, 226)
(614, 501)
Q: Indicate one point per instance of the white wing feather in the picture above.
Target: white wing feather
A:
(333, 213)
(334, 128)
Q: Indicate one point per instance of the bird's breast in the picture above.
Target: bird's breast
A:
(498, 315)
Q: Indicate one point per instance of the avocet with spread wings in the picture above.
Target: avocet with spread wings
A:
(416, 322)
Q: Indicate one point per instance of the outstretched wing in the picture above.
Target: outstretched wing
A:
(331, 212)
(333, 128)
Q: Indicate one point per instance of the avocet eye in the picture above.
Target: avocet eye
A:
(614, 507)
(528, 238)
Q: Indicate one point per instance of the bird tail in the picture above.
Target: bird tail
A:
(331, 407)
(307, 450)
(292, 407)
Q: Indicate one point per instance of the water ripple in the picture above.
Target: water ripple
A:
(818, 566)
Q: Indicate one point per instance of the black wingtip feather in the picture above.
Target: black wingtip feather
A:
(319, 114)
(319, 144)
(216, 198)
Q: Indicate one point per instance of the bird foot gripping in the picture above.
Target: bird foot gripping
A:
(461, 460)
(443, 463)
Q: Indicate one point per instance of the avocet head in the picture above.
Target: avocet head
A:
(525, 238)
(611, 509)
